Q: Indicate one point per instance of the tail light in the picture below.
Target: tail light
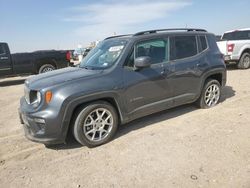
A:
(68, 55)
(230, 47)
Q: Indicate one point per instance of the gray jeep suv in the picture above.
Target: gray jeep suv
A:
(123, 78)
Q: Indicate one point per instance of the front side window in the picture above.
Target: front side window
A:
(157, 50)
(183, 47)
(104, 55)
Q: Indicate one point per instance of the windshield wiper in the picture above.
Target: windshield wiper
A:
(87, 67)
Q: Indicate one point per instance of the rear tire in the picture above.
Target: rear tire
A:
(46, 68)
(244, 62)
(210, 95)
(95, 124)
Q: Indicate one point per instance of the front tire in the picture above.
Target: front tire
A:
(210, 95)
(95, 124)
(46, 68)
(244, 62)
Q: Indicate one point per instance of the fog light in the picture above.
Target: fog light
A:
(39, 120)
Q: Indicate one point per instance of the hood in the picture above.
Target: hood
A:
(60, 76)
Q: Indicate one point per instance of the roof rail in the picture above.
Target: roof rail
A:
(172, 29)
(116, 36)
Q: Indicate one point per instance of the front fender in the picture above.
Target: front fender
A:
(72, 102)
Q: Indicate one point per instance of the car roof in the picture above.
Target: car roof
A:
(151, 33)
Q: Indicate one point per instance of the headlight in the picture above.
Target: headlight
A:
(32, 97)
(35, 98)
(39, 97)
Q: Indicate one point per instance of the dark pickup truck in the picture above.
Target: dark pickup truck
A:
(31, 63)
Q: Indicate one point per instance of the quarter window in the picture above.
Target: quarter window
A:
(130, 60)
(203, 43)
(183, 47)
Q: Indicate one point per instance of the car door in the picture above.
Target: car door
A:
(24, 63)
(146, 90)
(5, 60)
(184, 59)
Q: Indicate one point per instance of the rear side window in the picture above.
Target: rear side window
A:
(183, 47)
(237, 35)
(203, 42)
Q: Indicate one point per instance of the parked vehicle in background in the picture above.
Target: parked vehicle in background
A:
(218, 37)
(80, 53)
(86, 51)
(121, 79)
(235, 45)
(31, 63)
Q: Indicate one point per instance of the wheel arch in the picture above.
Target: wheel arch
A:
(73, 108)
(109, 100)
(215, 76)
(246, 50)
(42, 62)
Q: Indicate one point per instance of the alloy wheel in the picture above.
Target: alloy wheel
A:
(212, 95)
(246, 61)
(98, 124)
(47, 69)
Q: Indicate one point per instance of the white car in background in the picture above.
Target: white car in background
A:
(79, 53)
(235, 45)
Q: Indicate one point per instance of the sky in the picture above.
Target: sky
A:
(28, 25)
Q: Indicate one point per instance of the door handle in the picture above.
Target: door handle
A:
(4, 58)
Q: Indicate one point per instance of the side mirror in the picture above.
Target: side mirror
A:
(143, 62)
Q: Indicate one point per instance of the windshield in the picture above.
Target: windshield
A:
(237, 35)
(104, 55)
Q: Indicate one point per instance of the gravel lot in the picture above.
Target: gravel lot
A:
(181, 147)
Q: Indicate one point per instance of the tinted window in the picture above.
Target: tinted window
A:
(156, 49)
(237, 35)
(183, 47)
(203, 43)
(2, 50)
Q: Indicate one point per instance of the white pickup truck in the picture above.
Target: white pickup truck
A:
(235, 45)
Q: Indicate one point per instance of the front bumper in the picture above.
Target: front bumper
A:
(41, 126)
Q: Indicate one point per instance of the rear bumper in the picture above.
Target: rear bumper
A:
(231, 58)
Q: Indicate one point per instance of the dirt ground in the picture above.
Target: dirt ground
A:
(181, 147)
